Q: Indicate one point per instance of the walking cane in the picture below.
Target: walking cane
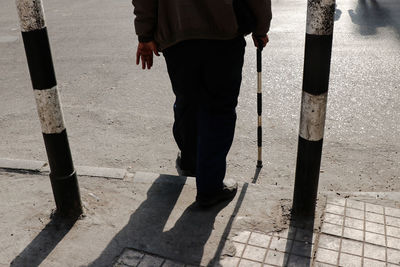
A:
(259, 103)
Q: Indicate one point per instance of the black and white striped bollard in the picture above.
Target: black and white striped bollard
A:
(320, 17)
(62, 173)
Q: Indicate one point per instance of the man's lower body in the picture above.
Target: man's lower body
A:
(206, 77)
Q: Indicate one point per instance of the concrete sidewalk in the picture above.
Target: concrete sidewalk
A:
(145, 219)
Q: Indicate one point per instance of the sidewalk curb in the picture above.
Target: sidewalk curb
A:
(42, 167)
(21, 165)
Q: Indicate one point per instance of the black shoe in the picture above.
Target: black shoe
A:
(182, 170)
(228, 192)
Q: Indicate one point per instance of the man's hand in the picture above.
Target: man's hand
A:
(145, 53)
(264, 40)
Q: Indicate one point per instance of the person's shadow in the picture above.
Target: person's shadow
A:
(184, 242)
(369, 15)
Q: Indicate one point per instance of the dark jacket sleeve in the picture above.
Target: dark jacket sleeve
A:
(262, 11)
(146, 19)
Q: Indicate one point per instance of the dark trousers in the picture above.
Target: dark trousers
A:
(206, 77)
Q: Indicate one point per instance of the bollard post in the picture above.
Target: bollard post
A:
(37, 48)
(318, 47)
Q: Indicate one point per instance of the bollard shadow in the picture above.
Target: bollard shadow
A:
(43, 244)
(184, 242)
(299, 242)
(290, 247)
(370, 15)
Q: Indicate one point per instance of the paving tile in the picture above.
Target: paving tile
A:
(354, 223)
(353, 234)
(242, 236)
(375, 239)
(247, 263)
(330, 242)
(331, 229)
(302, 249)
(364, 241)
(393, 256)
(358, 214)
(373, 217)
(226, 262)
(281, 244)
(239, 248)
(355, 204)
(298, 261)
(320, 264)
(392, 212)
(169, 263)
(151, 261)
(374, 252)
(333, 218)
(349, 260)
(374, 263)
(393, 231)
(258, 239)
(392, 221)
(327, 256)
(304, 235)
(287, 233)
(119, 264)
(374, 208)
(254, 253)
(337, 201)
(352, 247)
(375, 228)
(334, 209)
(393, 242)
(276, 258)
(129, 257)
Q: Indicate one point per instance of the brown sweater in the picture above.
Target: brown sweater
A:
(170, 21)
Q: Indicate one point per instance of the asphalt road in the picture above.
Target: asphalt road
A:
(118, 115)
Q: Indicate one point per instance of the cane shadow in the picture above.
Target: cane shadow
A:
(44, 243)
(370, 15)
(256, 175)
(184, 242)
(191, 232)
(214, 262)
